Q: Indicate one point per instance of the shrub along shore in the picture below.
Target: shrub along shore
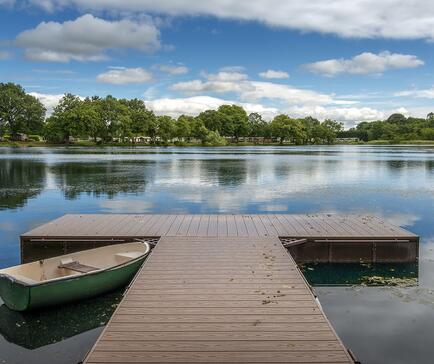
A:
(112, 121)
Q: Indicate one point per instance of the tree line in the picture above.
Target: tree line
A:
(108, 119)
(396, 128)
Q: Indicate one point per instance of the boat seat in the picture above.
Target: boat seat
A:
(127, 256)
(76, 266)
(24, 279)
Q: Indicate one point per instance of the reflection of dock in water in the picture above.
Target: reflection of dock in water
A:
(32, 330)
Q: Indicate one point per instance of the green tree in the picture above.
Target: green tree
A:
(124, 127)
(258, 127)
(212, 120)
(280, 127)
(397, 118)
(165, 128)
(140, 117)
(95, 127)
(183, 127)
(427, 133)
(19, 111)
(285, 128)
(115, 116)
(235, 122)
(311, 127)
(330, 130)
(66, 121)
(213, 138)
(198, 129)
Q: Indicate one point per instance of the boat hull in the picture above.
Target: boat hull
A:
(21, 297)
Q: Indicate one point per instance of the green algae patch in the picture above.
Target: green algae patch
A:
(389, 281)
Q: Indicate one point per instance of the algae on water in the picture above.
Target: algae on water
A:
(389, 281)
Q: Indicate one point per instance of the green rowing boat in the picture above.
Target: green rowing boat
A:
(71, 277)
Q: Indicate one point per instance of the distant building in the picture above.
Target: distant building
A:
(19, 137)
(142, 139)
(354, 139)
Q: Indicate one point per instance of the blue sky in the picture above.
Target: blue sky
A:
(352, 63)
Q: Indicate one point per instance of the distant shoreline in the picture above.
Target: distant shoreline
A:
(30, 144)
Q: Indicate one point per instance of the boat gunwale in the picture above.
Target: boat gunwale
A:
(78, 275)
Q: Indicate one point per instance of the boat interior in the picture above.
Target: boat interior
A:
(78, 263)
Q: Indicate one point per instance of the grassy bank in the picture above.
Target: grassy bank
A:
(241, 144)
(410, 142)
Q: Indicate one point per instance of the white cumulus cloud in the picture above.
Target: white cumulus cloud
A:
(48, 100)
(195, 105)
(227, 76)
(392, 19)
(87, 38)
(251, 91)
(286, 93)
(274, 74)
(348, 115)
(173, 70)
(123, 76)
(365, 63)
(425, 93)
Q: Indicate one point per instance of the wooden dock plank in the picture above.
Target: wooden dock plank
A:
(222, 225)
(212, 226)
(290, 226)
(260, 228)
(89, 225)
(347, 229)
(174, 227)
(217, 308)
(155, 224)
(221, 345)
(165, 227)
(232, 226)
(221, 304)
(185, 226)
(250, 226)
(126, 227)
(263, 310)
(203, 226)
(271, 230)
(101, 356)
(141, 221)
(219, 327)
(194, 226)
(218, 336)
(71, 223)
(241, 226)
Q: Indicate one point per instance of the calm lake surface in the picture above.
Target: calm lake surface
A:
(380, 324)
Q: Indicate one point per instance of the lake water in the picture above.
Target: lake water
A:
(380, 324)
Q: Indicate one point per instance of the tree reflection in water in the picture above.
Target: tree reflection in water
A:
(20, 180)
(107, 178)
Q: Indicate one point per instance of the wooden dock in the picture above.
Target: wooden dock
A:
(219, 300)
(222, 288)
(315, 226)
(330, 237)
